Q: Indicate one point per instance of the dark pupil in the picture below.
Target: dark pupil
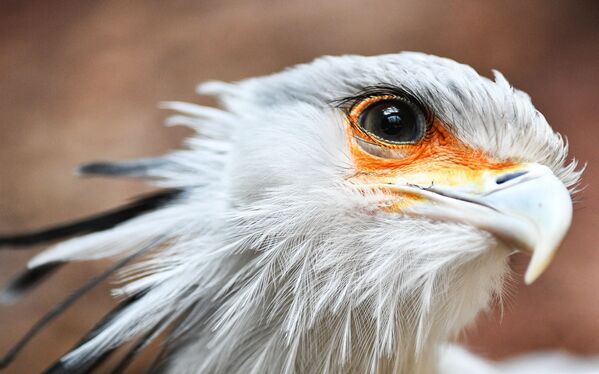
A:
(391, 120)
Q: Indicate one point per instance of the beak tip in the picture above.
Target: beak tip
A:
(539, 262)
(530, 277)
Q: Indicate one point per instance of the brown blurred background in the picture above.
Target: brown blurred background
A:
(80, 80)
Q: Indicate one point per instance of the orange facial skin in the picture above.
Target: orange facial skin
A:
(439, 158)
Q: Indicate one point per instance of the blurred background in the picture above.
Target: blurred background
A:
(80, 81)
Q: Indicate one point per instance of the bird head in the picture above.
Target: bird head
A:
(352, 212)
(395, 186)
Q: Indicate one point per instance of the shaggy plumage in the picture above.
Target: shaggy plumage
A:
(270, 258)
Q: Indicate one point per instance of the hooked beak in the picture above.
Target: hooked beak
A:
(529, 210)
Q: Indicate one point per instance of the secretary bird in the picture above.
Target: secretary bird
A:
(350, 215)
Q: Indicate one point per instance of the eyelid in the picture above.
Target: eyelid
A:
(347, 104)
(379, 150)
(358, 107)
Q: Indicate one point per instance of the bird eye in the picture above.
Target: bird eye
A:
(393, 121)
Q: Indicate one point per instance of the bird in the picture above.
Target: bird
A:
(347, 215)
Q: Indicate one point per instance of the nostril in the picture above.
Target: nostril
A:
(509, 176)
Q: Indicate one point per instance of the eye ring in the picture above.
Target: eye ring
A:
(391, 121)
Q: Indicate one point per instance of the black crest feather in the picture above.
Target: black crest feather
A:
(98, 222)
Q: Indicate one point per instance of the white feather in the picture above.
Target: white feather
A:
(288, 268)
